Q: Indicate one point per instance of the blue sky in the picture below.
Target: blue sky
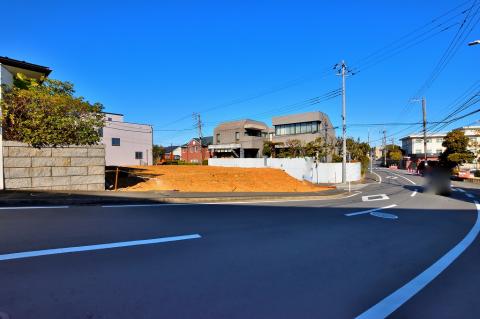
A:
(159, 61)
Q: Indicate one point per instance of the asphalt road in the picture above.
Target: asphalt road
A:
(342, 258)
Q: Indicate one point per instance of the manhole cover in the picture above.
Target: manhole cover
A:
(384, 215)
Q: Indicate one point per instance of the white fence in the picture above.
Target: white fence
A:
(299, 168)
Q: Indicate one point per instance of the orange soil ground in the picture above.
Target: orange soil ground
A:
(219, 179)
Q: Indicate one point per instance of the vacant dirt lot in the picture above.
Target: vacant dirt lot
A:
(219, 179)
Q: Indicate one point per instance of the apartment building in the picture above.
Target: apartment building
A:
(242, 138)
(413, 144)
(126, 143)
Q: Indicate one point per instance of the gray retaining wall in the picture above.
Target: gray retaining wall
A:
(49, 168)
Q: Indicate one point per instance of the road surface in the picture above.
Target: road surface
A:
(386, 250)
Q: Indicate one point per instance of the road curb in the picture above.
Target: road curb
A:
(92, 201)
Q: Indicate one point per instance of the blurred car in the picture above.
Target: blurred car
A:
(468, 173)
(438, 182)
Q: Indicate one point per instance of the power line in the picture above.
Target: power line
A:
(370, 60)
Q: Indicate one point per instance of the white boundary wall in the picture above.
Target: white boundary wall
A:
(299, 168)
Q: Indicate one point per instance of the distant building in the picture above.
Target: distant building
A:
(242, 138)
(305, 127)
(173, 152)
(413, 144)
(195, 152)
(126, 143)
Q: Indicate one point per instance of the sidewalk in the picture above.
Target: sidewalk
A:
(33, 198)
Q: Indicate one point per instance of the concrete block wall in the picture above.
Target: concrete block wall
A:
(299, 168)
(49, 168)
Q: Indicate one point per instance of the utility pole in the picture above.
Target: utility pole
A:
(384, 148)
(370, 152)
(424, 111)
(344, 127)
(343, 71)
(198, 125)
(326, 143)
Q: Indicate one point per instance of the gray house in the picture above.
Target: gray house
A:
(305, 127)
(242, 138)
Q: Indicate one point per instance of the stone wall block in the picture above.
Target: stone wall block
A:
(15, 172)
(20, 151)
(50, 181)
(87, 161)
(16, 183)
(69, 152)
(69, 171)
(42, 152)
(17, 162)
(96, 170)
(41, 171)
(50, 161)
(90, 179)
(96, 152)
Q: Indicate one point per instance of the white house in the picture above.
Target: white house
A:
(8, 70)
(126, 143)
(413, 144)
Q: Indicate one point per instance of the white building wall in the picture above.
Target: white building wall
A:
(299, 168)
(133, 138)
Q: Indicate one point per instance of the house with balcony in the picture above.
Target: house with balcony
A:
(304, 127)
(9, 68)
(243, 139)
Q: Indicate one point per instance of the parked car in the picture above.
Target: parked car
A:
(467, 173)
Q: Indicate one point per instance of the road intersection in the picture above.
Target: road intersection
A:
(406, 254)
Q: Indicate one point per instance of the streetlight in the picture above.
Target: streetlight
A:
(474, 43)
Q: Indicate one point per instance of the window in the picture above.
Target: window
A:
(439, 140)
(418, 151)
(439, 151)
(297, 128)
(109, 119)
(218, 138)
(139, 155)
(115, 141)
(237, 136)
(100, 132)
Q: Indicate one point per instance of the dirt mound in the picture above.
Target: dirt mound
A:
(219, 179)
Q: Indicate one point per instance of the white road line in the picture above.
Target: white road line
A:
(66, 250)
(392, 302)
(370, 210)
(33, 207)
(469, 195)
(371, 198)
(408, 179)
(379, 177)
(143, 205)
(414, 193)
